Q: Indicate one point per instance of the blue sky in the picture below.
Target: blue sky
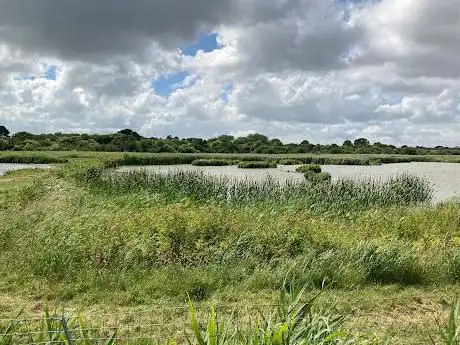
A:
(206, 43)
(166, 84)
(51, 72)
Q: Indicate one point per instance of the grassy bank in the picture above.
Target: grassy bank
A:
(170, 159)
(120, 158)
(31, 159)
(94, 237)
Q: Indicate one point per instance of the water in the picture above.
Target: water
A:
(10, 167)
(444, 177)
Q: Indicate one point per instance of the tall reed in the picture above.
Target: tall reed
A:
(340, 196)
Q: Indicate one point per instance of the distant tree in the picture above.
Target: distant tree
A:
(23, 136)
(4, 132)
(130, 132)
(361, 142)
(347, 143)
(4, 145)
(276, 142)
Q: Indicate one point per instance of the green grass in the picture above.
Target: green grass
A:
(121, 158)
(85, 237)
(339, 197)
(291, 319)
(289, 161)
(212, 162)
(31, 159)
(256, 165)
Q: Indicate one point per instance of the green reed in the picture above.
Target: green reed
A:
(257, 165)
(342, 195)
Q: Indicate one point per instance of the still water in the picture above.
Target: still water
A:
(10, 167)
(444, 177)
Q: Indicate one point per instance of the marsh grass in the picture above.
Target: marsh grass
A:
(175, 159)
(212, 162)
(256, 165)
(32, 159)
(289, 161)
(136, 238)
(341, 196)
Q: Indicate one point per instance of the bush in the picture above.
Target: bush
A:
(256, 165)
(317, 177)
(211, 162)
(315, 168)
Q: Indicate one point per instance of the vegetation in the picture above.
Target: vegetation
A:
(306, 168)
(128, 140)
(31, 159)
(212, 162)
(340, 197)
(318, 177)
(256, 165)
(86, 236)
(293, 321)
(313, 174)
(289, 161)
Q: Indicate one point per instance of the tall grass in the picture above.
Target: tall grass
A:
(293, 322)
(34, 159)
(341, 196)
(289, 161)
(256, 165)
(176, 158)
(212, 162)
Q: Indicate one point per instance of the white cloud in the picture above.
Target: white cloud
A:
(298, 69)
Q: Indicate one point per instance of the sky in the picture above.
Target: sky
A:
(320, 70)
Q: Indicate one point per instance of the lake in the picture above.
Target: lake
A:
(444, 177)
(4, 167)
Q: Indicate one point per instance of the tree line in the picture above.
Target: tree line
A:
(128, 140)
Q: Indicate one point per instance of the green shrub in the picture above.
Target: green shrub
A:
(315, 168)
(317, 177)
(256, 165)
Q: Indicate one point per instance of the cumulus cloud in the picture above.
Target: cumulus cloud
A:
(294, 69)
(89, 29)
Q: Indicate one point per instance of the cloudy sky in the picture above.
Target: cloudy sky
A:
(322, 70)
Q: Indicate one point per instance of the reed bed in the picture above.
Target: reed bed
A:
(293, 159)
(289, 161)
(212, 162)
(343, 195)
(257, 165)
(32, 159)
